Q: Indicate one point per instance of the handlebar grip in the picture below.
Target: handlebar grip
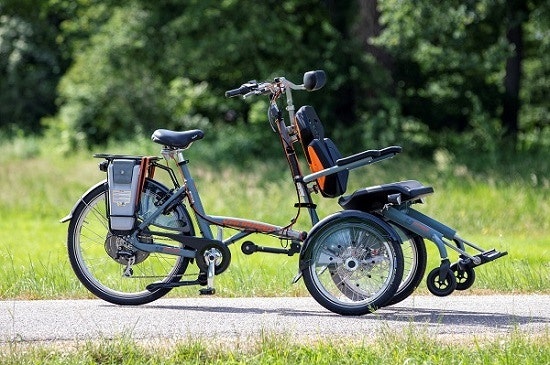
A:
(243, 90)
(236, 92)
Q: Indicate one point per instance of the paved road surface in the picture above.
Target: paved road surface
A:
(242, 318)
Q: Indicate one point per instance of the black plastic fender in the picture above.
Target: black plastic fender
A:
(70, 215)
(305, 254)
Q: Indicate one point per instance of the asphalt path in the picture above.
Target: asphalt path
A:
(212, 318)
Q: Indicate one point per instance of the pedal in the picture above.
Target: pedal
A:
(210, 257)
(207, 291)
(176, 284)
(248, 248)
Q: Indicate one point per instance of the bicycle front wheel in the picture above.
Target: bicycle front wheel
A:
(354, 264)
(109, 266)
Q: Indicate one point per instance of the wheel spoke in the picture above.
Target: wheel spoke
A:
(362, 269)
(109, 266)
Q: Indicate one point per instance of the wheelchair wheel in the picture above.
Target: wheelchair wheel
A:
(414, 261)
(354, 264)
(464, 277)
(441, 287)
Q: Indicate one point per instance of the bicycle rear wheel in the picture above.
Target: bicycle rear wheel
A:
(354, 264)
(100, 259)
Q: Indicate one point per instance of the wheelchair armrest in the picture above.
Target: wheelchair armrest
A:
(356, 157)
(354, 161)
(393, 150)
(382, 154)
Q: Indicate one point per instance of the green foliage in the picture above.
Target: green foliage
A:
(450, 59)
(450, 65)
(29, 71)
(106, 94)
(189, 54)
(92, 71)
(535, 115)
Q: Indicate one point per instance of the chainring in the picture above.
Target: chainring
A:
(222, 263)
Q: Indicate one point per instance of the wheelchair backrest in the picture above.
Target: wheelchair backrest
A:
(321, 153)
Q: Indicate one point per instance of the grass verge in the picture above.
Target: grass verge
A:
(411, 346)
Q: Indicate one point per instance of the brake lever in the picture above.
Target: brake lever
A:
(261, 89)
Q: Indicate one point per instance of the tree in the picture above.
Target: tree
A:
(516, 15)
(367, 27)
(140, 67)
(459, 63)
(534, 121)
(397, 70)
(30, 66)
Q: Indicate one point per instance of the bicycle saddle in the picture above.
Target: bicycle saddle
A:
(175, 139)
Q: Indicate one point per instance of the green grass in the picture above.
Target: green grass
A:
(411, 346)
(505, 208)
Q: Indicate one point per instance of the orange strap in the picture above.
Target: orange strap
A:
(143, 173)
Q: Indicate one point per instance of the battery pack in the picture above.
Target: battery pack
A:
(123, 182)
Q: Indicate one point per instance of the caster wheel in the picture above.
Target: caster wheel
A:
(441, 287)
(464, 277)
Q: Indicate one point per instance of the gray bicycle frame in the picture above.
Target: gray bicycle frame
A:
(188, 189)
(401, 214)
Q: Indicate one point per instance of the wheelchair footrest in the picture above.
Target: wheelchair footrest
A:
(483, 257)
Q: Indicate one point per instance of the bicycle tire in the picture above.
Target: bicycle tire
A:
(414, 260)
(364, 255)
(91, 249)
(414, 267)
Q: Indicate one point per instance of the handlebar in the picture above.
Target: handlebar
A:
(313, 80)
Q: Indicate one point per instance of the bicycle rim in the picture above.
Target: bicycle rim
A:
(93, 251)
(354, 267)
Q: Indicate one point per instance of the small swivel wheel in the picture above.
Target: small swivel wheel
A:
(464, 277)
(441, 287)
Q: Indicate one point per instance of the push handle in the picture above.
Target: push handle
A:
(314, 80)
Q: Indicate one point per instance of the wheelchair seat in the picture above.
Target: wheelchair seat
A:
(376, 197)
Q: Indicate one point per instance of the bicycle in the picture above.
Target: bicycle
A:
(131, 239)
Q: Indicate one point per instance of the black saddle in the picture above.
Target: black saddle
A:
(376, 197)
(175, 139)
